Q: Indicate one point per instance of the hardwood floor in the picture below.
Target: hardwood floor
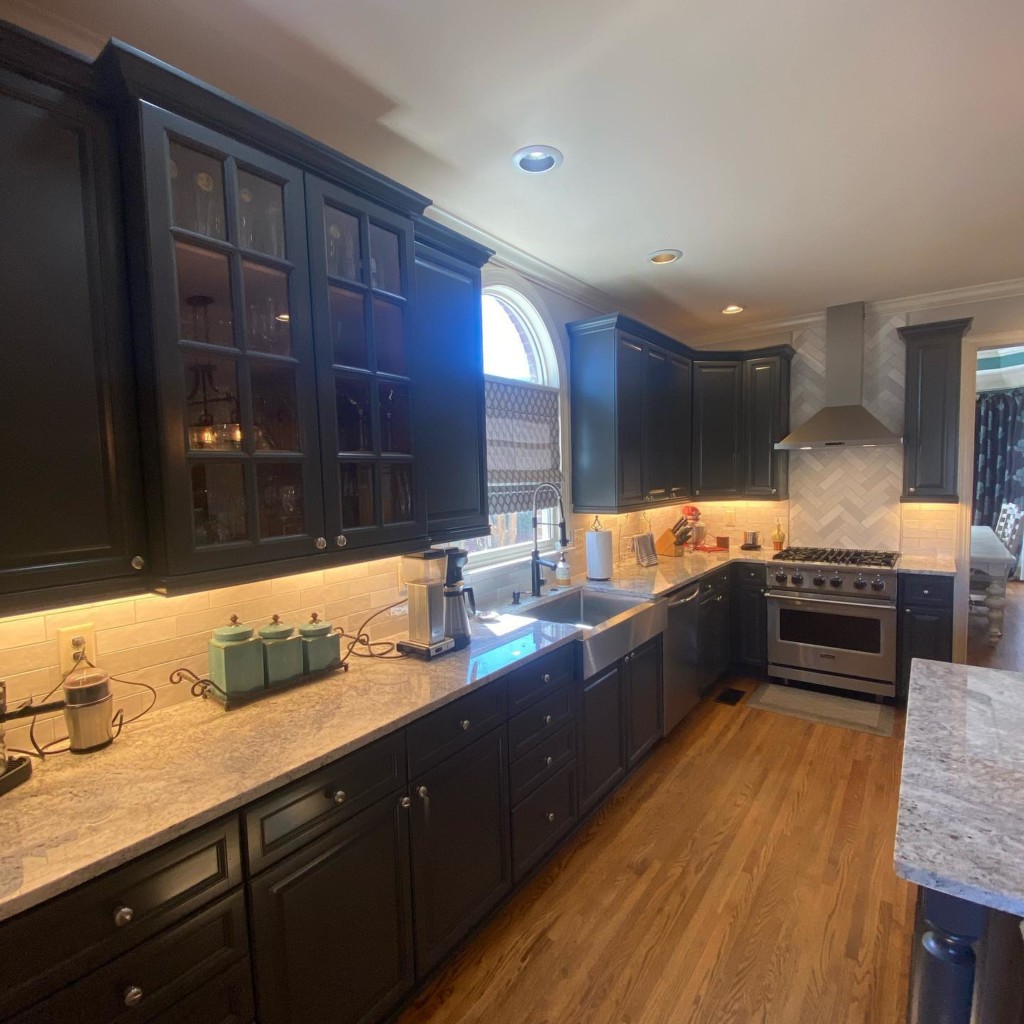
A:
(1009, 652)
(742, 874)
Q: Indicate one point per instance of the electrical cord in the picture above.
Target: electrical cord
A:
(386, 650)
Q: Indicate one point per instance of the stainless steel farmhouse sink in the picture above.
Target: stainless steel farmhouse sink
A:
(615, 624)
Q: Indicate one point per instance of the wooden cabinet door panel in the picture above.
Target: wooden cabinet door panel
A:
(717, 393)
(332, 924)
(461, 852)
(629, 385)
(602, 754)
(643, 699)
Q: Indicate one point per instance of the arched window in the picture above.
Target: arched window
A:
(524, 446)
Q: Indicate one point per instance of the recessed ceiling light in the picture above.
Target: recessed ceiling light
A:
(660, 256)
(537, 159)
(731, 310)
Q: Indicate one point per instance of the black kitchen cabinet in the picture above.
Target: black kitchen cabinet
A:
(332, 923)
(717, 428)
(765, 422)
(601, 757)
(643, 671)
(231, 438)
(925, 623)
(448, 369)
(71, 515)
(461, 855)
(931, 429)
(630, 406)
(750, 618)
(714, 617)
(363, 281)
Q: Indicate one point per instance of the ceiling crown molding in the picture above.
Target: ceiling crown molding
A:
(36, 18)
(529, 266)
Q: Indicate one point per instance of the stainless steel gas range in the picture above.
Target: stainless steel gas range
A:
(832, 618)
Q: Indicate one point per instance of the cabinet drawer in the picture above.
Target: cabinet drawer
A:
(546, 717)
(542, 819)
(152, 977)
(226, 999)
(929, 590)
(294, 815)
(542, 762)
(52, 945)
(716, 582)
(449, 729)
(750, 574)
(531, 682)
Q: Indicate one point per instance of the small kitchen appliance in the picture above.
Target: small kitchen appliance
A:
(13, 770)
(456, 595)
(89, 711)
(424, 574)
(832, 618)
(751, 541)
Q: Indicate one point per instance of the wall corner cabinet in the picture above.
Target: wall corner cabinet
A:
(931, 433)
(654, 423)
(269, 411)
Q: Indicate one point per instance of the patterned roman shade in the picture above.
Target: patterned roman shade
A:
(523, 448)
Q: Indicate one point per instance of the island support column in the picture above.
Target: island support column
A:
(942, 983)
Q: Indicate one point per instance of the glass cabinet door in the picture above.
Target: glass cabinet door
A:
(234, 354)
(361, 263)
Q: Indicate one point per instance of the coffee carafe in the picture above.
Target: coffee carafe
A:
(456, 594)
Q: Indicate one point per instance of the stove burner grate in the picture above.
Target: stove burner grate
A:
(840, 556)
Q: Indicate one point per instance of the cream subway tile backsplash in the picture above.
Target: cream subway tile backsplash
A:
(124, 637)
(292, 584)
(243, 592)
(23, 630)
(156, 607)
(102, 616)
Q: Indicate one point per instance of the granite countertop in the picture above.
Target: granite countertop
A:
(78, 817)
(961, 813)
(932, 565)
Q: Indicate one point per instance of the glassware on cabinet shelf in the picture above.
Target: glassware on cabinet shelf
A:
(279, 490)
(355, 426)
(385, 263)
(396, 492)
(204, 295)
(357, 502)
(341, 234)
(274, 407)
(260, 216)
(197, 191)
(267, 311)
(212, 411)
(395, 433)
(218, 503)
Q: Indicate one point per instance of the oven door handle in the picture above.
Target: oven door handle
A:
(779, 595)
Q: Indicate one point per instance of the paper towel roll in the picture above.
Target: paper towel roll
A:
(599, 554)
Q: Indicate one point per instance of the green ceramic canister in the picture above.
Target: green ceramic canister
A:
(321, 646)
(236, 659)
(282, 652)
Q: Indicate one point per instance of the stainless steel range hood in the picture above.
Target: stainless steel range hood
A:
(843, 422)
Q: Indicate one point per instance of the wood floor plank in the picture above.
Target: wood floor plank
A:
(743, 875)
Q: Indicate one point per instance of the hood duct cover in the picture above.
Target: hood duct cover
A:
(843, 422)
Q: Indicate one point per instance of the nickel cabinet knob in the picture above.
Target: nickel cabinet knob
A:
(341, 540)
(132, 995)
(321, 543)
(405, 802)
(138, 563)
(464, 725)
(339, 796)
(423, 792)
(550, 815)
(546, 678)
(548, 761)
(547, 719)
(123, 915)
(911, 489)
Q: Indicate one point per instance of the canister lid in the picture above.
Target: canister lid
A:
(276, 629)
(87, 688)
(315, 627)
(233, 633)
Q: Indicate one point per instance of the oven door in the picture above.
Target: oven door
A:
(847, 638)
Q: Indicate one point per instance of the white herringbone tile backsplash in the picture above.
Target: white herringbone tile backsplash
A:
(849, 497)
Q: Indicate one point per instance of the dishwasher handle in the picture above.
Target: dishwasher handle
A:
(685, 600)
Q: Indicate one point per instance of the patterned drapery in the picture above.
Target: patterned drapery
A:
(998, 453)
(523, 448)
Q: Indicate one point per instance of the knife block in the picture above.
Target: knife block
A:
(666, 545)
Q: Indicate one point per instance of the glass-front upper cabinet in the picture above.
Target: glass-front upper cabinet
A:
(234, 367)
(361, 262)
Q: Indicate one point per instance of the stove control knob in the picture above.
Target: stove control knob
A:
(780, 577)
(878, 584)
(797, 578)
(860, 583)
(836, 581)
(819, 580)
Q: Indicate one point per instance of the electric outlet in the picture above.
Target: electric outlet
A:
(75, 639)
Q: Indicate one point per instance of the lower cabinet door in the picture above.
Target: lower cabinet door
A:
(643, 700)
(332, 923)
(602, 754)
(541, 820)
(226, 999)
(924, 633)
(751, 628)
(461, 857)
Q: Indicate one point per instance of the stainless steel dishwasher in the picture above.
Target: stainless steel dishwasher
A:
(681, 647)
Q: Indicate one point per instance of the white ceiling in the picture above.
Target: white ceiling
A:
(801, 153)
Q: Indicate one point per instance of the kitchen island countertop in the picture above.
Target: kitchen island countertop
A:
(78, 817)
(961, 812)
